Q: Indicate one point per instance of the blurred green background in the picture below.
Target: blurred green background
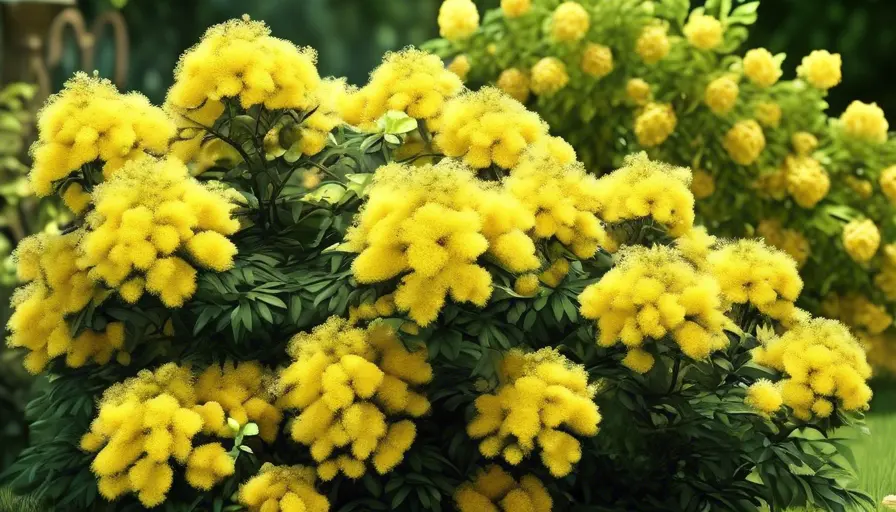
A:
(351, 35)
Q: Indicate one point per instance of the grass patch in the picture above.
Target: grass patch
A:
(876, 454)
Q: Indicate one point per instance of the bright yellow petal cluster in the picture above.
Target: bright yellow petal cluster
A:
(807, 181)
(144, 422)
(495, 490)
(804, 143)
(152, 224)
(821, 69)
(696, 245)
(751, 272)
(283, 489)
(238, 391)
(460, 66)
(768, 113)
(744, 142)
(703, 31)
(638, 91)
(861, 239)
(90, 120)
(653, 44)
(56, 288)
(645, 188)
(858, 312)
(548, 76)
(555, 273)
(824, 365)
(353, 389)
(864, 121)
(651, 293)
(654, 124)
(458, 19)
(790, 241)
(569, 22)
(314, 130)
(597, 60)
(887, 182)
(721, 95)
(703, 184)
(487, 127)
(410, 81)
(765, 396)
(543, 399)
(515, 8)
(761, 68)
(515, 83)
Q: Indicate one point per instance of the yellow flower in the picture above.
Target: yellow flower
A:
(515, 8)
(721, 95)
(703, 31)
(569, 22)
(543, 401)
(887, 183)
(654, 124)
(695, 245)
(788, 240)
(807, 181)
(638, 91)
(460, 66)
(744, 142)
(821, 69)
(597, 60)
(865, 122)
(764, 396)
(702, 185)
(653, 44)
(283, 489)
(861, 239)
(555, 273)
(761, 67)
(526, 284)
(548, 76)
(515, 83)
(458, 19)
(768, 113)
(495, 490)
(241, 390)
(858, 312)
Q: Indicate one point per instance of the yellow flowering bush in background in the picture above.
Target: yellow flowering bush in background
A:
(409, 296)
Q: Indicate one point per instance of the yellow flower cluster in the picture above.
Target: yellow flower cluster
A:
(597, 60)
(696, 245)
(645, 188)
(542, 398)
(654, 124)
(807, 181)
(861, 239)
(653, 44)
(886, 278)
(790, 241)
(569, 22)
(765, 396)
(142, 423)
(761, 68)
(555, 273)
(515, 8)
(649, 294)
(283, 489)
(744, 142)
(768, 113)
(435, 221)
(352, 387)
(804, 143)
(88, 121)
(563, 200)
(865, 122)
(410, 81)
(703, 31)
(825, 367)
(56, 288)
(515, 83)
(821, 69)
(460, 66)
(638, 91)
(495, 490)
(721, 95)
(148, 218)
(703, 184)
(887, 182)
(487, 127)
(548, 76)
(315, 128)
(858, 312)
(238, 391)
(458, 19)
(750, 272)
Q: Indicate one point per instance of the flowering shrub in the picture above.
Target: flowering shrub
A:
(434, 309)
(767, 158)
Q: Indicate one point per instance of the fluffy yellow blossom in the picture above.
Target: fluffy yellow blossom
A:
(555, 273)
(721, 95)
(821, 69)
(143, 423)
(435, 221)
(354, 390)
(548, 76)
(654, 124)
(861, 239)
(460, 66)
(487, 127)
(751, 272)
(410, 81)
(788, 240)
(764, 396)
(56, 287)
(803, 143)
(865, 122)
(857, 311)
(495, 490)
(744, 142)
(238, 391)
(458, 19)
(76, 198)
(569, 22)
(542, 401)
(515, 8)
(515, 83)
(696, 245)
(283, 489)
(807, 181)
(309, 136)
(761, 67)
(863, 188)
(638, 91)
(824, 365)
(597, 60)
(887, 182)
(148, 218)
(703, 31)
(653, 44)
(772, 183)
(768, 113)
(702, 185)
(526, 284)
(651, 293)
(645, 188)
(90, 120)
